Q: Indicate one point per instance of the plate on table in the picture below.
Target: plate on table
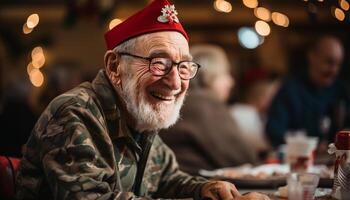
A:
(264, 176)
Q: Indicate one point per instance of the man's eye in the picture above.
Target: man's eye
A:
(159, 63)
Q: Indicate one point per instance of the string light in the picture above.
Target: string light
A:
(280, 19)
(222, 6)
(38, 57)
(30, 67)
(36, 51)
(36, 77)
(25, 29)
(262, 13)
(32, 20)
(344, 5)
(339, 14)
(262, 28)
(39, 62)
(251, 3)
(114, 23)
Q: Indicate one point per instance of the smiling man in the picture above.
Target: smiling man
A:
(99, 140)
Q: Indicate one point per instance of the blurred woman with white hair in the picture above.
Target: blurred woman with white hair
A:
(206, 136)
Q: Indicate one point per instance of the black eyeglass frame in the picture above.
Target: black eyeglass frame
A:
(177, 64)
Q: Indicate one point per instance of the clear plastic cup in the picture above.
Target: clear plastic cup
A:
(302, 186)
(299, 152)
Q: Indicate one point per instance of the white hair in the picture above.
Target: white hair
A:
(127, 46)
(214, 61)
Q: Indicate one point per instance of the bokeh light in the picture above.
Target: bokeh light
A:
(280, 19)
(30, 67)
(32, 20)
(25, 29)
(262, 13)
(39, 61)
(222, 6)
(251, 3)
(262, 28)
(114, 23)
(344, 5)
(36, 51)
(248, 38)
(339, 14)
(38, 57)
(36, 77)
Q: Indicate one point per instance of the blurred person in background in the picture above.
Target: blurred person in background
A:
(206, 136)
(61, 77)
(17, 118)
(250, 112)
(315, 102)
(23, 105)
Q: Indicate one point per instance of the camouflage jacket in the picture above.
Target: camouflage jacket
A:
(81, 148)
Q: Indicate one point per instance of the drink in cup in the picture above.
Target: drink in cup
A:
(300, 152)
(302, 186)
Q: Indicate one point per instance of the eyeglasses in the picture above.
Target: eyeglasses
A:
(162, 66)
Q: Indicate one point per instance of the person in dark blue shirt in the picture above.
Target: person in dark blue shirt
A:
(315, 102)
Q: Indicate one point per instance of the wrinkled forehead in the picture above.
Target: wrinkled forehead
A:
(164, 44)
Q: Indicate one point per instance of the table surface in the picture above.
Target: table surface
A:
(273, 196)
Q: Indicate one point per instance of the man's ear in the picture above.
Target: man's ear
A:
(111, 61)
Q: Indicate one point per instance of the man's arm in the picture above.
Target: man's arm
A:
(177, 184)
(173, 182)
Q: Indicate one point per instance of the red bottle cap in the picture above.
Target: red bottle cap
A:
(342, 140)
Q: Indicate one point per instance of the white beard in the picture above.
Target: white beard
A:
(148, 117)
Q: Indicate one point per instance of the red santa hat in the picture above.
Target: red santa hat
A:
(159, 15)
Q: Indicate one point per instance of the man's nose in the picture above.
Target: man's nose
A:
(172, 79)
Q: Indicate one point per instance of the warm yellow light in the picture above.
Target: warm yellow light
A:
(320, 0)
(339, 14)
(344, 5)
(262, 28)
(114, 23)
(37, 50)
(222, 6)
(38, 57)
(25, 29)
(250, 3)
(39, 61)
(280, 19)
(262, 13)
(216, 5)
(32, 20)
(30, 67)
(36, 77)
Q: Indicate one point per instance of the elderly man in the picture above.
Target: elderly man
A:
(99, 140)
(316, 102)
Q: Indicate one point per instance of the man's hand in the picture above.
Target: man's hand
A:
(221, 190)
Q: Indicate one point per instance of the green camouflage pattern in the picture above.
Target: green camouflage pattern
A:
(81, 148)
